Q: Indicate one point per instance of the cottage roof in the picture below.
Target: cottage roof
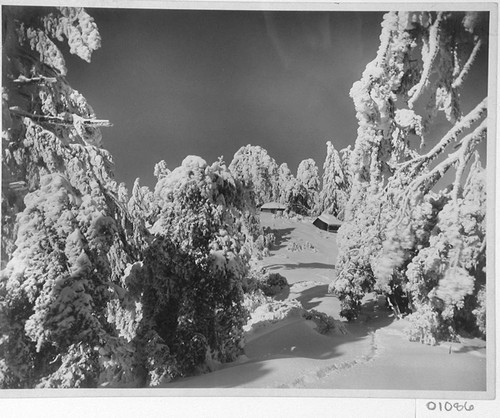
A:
(329, 219)
(273, 205)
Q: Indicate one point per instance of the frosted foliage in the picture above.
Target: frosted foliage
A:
(308, 178)
(161, 169)
(307, 174)
(453, 264)
(48, 127)
(78, 27)
(70, 237)
(200, 200)
(41, 43)
(141, 205)
(480, 311)
(81, 32)
(256, 169)
(336, 182)
(287, 184)
(61, 239)
(35, 72)
(195, 266)
(292, 193)
(399, 236)
(76, 363)
(75, 24)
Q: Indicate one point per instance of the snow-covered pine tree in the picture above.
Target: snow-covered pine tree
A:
(287, 183)
(194, 266)
(393, 214)
(308, 181)
(67, 243)
(258, 171)
(335, 182)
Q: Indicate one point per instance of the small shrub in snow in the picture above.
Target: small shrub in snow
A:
(304, 246)
(273, 284)
(324, 323)
(272, 311)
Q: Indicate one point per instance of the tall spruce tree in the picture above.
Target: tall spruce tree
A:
(335, 182)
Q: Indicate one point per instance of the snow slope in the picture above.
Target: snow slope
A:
(374, 354)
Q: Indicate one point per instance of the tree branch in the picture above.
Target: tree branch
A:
(434, 41)
(466, 122)
(465, 70)
(67, 120)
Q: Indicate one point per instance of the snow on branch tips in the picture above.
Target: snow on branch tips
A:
(466, 122)
(429, 53)
(395, 218)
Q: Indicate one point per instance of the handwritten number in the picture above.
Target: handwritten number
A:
(448, 406)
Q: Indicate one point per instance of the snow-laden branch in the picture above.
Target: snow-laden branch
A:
(67, 120)
(464, 153)
(466, 122)
(25, 80)
(429, 58)
(426, 181)
(466, 68)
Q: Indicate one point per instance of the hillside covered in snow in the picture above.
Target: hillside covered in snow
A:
(102, 286)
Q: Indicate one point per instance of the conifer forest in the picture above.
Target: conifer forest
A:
(220, 267)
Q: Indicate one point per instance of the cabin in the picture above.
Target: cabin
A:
(327, 223)
(273, 207)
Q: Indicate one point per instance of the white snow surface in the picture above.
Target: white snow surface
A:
(283, 350)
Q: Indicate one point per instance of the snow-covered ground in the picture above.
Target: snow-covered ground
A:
(374, 354)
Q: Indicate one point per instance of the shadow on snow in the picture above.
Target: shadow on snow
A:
(291, 266)
(281, 237)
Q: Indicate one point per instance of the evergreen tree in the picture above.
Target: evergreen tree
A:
(253, 166)
(308, 184)
(195, 265)
(287, 183)
(393, 212)
(335, 183)
(71, 242)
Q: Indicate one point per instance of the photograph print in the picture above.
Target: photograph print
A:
(275, 199)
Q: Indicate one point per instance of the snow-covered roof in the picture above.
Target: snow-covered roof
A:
(273, 205)
(329, 219)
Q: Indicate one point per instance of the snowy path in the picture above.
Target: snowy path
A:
(287, 354)
(374, 355)
(399, 364)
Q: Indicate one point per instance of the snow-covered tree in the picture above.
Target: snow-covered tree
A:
(286, 182)
(70, 239)
(308, 178)
(292, 193)
(446, 277)
(393, 212)
(335, 182)
(99, 289)
(35, 92)
(194, 267)
(258, 171)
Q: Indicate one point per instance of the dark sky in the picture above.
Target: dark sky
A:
(208, 82)
(178, 82)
